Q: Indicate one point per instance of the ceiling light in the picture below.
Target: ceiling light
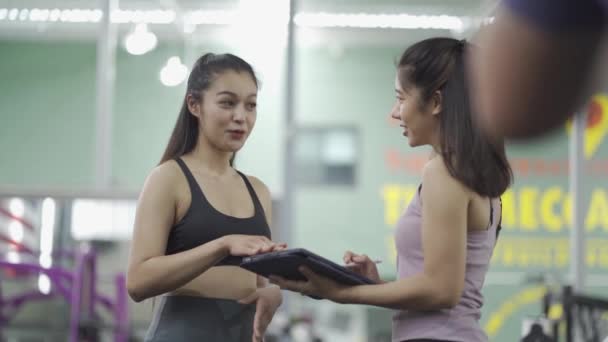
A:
(140, 41)
(174, 72)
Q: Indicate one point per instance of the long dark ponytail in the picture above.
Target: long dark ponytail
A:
(185, 133)
(475, 160)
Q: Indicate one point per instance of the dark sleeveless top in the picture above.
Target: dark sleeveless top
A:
(203, 223)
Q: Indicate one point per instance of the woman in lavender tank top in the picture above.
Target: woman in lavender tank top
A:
(446, 236)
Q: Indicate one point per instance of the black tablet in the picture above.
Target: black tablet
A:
(286, 263)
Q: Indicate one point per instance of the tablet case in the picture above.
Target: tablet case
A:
(286, 263)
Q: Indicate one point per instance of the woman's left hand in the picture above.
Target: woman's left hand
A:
(267, 299)
(315, 286)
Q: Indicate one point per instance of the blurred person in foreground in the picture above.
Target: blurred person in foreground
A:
(537, 63)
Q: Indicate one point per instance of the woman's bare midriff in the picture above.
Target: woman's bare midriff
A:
(222, 282)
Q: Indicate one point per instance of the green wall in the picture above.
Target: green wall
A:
(46, 111)
(47, 115)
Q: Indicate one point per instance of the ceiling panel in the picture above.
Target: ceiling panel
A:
(55, 30)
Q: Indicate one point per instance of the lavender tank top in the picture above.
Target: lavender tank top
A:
(460, 323)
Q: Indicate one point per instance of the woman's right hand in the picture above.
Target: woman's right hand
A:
(245, 245)
(362, 264)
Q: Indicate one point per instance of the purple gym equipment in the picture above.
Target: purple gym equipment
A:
(77, 286)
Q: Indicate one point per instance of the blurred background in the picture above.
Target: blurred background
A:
(87, 105)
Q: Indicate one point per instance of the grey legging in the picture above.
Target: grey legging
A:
(189, 318)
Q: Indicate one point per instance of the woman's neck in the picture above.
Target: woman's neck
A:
(212, 160)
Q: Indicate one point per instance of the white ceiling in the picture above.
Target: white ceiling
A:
(25, 30)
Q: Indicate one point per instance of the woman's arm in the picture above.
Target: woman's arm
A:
(268, 298)
(444, 231)
(265, 198)
(440, 284)
(150, 271)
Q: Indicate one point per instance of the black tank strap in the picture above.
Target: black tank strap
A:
(254, 197)
(195, 189)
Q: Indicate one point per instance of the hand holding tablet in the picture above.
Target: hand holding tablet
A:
(286, 263)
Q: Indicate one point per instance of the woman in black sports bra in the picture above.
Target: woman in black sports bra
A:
(196, 215)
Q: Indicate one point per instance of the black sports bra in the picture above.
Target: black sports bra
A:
(203, 223)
